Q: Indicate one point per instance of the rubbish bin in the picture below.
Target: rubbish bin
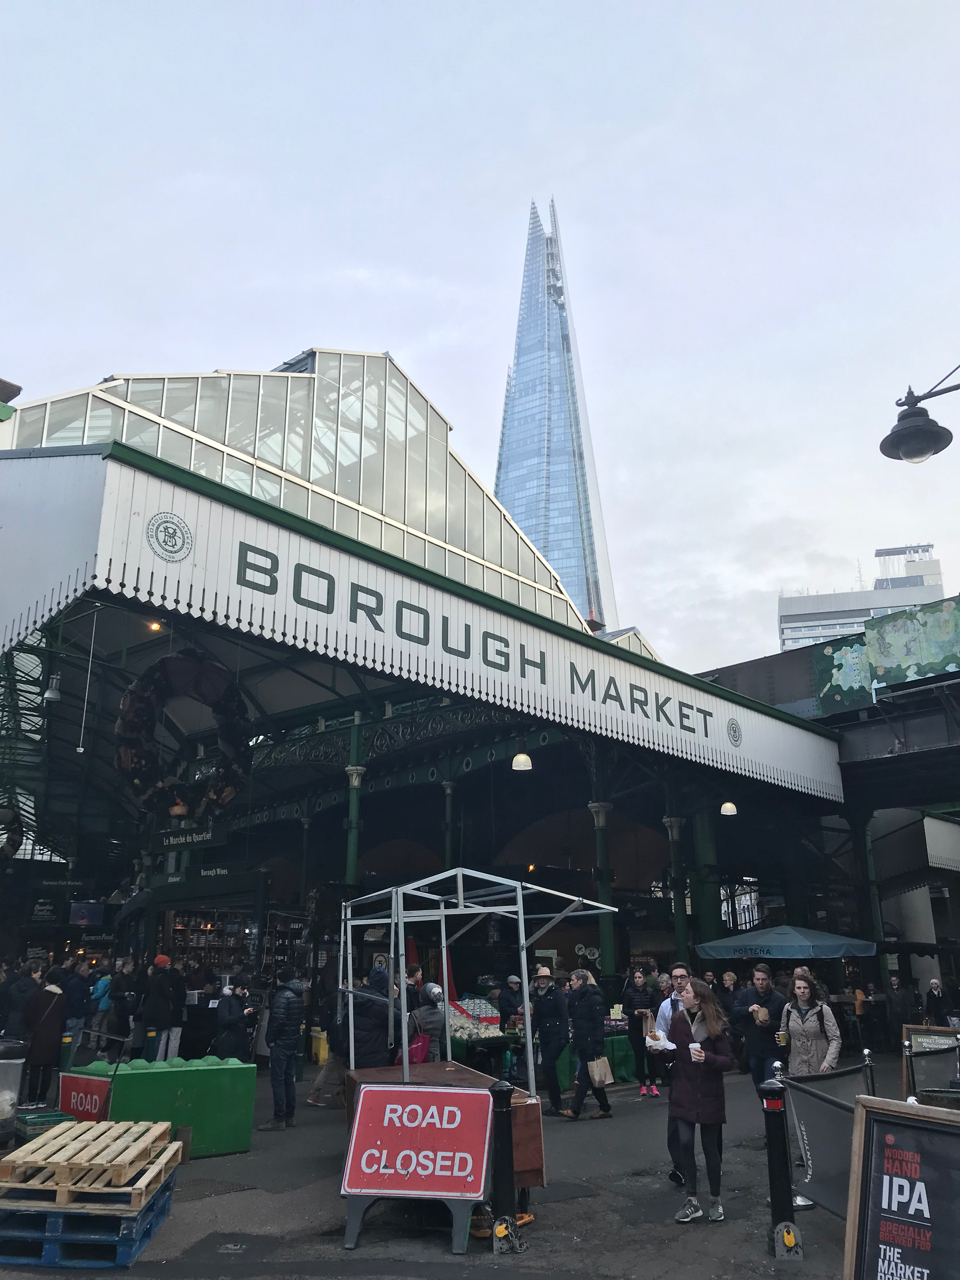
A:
(12, 1055)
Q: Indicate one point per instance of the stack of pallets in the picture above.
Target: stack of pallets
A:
(86, 1194)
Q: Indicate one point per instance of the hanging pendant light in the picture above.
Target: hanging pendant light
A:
(728, 809)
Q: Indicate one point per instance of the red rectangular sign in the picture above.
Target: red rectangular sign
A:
(83, 1096)
(413, 1140)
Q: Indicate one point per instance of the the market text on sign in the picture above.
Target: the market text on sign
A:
(418, 1141)
(912, 1211)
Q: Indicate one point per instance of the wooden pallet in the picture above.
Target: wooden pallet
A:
(123, 1147)
(89, 1189)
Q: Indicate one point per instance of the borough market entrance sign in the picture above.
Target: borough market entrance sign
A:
(143, 529)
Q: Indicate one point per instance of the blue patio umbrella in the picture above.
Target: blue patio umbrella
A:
(785, 943)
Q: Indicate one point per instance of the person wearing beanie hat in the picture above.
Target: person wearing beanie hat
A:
(158, 1009)
(284, 1036)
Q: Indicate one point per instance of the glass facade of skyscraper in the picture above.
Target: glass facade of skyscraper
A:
(546, 476)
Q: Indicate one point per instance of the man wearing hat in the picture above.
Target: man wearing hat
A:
(510, 1001)
(551, 1022)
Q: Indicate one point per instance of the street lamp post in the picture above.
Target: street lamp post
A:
(916, 436)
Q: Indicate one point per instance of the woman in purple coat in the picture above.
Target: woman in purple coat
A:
(701, 1056)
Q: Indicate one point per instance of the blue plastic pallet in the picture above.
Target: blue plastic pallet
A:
(71, 1238)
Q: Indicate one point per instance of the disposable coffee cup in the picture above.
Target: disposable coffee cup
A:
(781, 1037)
(692, 1047)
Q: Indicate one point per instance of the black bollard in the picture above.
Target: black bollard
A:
(774, 1101)
(869, 1084)
(911, 1081)
(503, 1196)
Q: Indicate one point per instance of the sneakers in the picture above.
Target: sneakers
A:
(643, 1091)
(273, 1126)
(715, 1213)
(690, 1211)
(571, 1115)
(290, 1122)
(654, 1091)
(601, 1115)
(676, 1177)
(315, 1101)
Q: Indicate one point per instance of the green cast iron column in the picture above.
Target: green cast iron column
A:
(355, 772)
(600, 809)
(678, 887)
(708, 874)
(448, 823)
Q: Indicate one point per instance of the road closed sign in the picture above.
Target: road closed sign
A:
(83, 1096)
(418, 1141)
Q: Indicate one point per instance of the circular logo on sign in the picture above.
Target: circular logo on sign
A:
(889, 1139)
(169, 537)
(734, 732)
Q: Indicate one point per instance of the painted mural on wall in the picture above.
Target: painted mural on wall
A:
(895, 649)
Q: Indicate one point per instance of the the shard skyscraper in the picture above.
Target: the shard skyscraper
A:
(546, 477)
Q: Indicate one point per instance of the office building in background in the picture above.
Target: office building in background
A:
(546, 478)
(906, 576)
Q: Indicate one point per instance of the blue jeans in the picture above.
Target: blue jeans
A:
(283, 1073)
(762, 1068)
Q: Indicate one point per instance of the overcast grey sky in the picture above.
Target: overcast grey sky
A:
(759, 206)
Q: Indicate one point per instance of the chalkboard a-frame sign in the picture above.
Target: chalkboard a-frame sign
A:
(902, 1214)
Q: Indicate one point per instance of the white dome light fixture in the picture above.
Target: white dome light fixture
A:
(728, 809)
(521, 762)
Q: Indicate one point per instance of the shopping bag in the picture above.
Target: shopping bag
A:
(600, 1073)
(418, 1050)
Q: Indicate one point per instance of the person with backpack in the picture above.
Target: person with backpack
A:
(811, 1031)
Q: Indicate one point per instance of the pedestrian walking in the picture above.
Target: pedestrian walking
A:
(76, 990)
(637, 1000)
(157, 1009)
(178, 1002)
(100, 995)
(283, 1039)
(550, 1023)
(701, 1055)
(332, 1018)
(587, 1021)
(414, 983)
(233, 1014)
(900, 1011)
(510, 1000)
(670, 1006)
(44, 1019)
(22, 991)
(809, 1030)
(936, 1005)
(371, 1020)
(428, 1019)
(757, 1015)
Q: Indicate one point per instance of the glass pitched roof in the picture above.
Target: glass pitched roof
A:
(342, 438)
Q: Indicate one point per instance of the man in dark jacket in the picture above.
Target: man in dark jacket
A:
(157, 1009)
(22, 991)
(123, 1003)
(371, 1016)
(759, 1031)
(178, 999)
(510, 1000)
(587, 1011)
(284, 1036)
(551, 1022)
(76, 991)
(233, 1010)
